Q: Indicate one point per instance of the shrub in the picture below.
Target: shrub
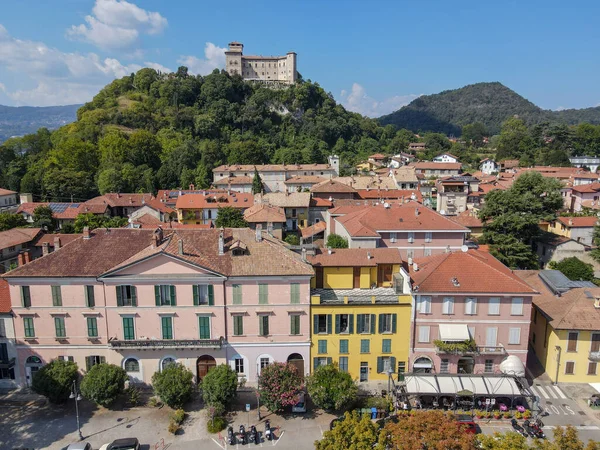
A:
(331, 389)
(216, 424)
(336, 241)
(292, 239)
(178, 416)
(154, 402)
(518, 415)
(173, 385)
(133, 395)
(527, 414)
(507, 415)
(104, 383)
(219, 386)
(278, 385)
(55, 380)
(173, 427)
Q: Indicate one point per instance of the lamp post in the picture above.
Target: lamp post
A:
(77, 396)
(257, 392)
(558, 351)
(390, 372)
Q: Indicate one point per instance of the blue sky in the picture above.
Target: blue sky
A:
(373, 56)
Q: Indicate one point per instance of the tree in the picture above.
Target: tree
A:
(474, 133)
(514, 140)
(503, 441)
(292, 239)
(279, 385)
(330, 388)
(257, 186)
(353, 432)
(219, 385)
(434, 430)
(564, 439)
(43, 217)
(336, 241)
(173, 385)
(574, 269)
(93, 221)
(55, 380)
(104, 383)
(230, 217)
(9, 221)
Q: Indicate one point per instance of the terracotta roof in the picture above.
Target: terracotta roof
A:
(5, 305)
(356, 257)
(468, 219)
(317, 202)
(579, 222)
(371, 182)
(49, 239)
(233, 181)
(592, 204)
(317, 228)
(304, 179)
(331, 186)
(428, 165)
(377, 156)
(573, 310)
(510, 163)
(6, 192)
(587, 188)
(149, 221)
(16, 236)
(390, 194)
(474, 272)
(121, 200)
(262, 212)
(270, 167)
(64, 211)
(405, 174)
(371, 219)
(287, 200)
(587, 176)
(221, 200)
(156, 204)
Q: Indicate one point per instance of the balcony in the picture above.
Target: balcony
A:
(495, 350)
(158, 344)
(594, 356)
(7, 363)
(468, 347)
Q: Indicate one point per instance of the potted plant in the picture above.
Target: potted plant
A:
(497, 414)
(507, 415)
(518, 415)
(478, 413)
(527, 414)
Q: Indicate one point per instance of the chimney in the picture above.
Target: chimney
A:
(304, 254)
(27, 257)
(158, 236)
(86, 232)
(416, 211)
(329, 251)
(45, 248)
(221, 242)
(410, 261)
(597, 303)
(368, 255)
(258, 232)
(180, 246)
(570, 222)
(192, 187)
(56, 243)
(21, 259)
(415, 267)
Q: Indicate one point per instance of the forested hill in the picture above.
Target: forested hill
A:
(17, 121)
(487, 103)
(151, 130)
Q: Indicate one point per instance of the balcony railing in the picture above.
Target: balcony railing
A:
(594, 356)
(496, 350)
(155, 344)
(7, 363)
(466, 348)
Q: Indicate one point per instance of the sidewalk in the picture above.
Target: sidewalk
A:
(21, 397)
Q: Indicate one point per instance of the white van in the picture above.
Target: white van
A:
(300, 407)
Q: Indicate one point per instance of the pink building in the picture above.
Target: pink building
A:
(470, 313)
(143, 299)
(584, 196)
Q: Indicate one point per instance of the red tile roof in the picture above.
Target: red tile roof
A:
(6, 192)
(317, 202)
(377, 156)
(587, 188)
(233, 181)
(467, 219)
(333, 186)
(262, 212)
(317, 228)
(356, 257)
(304, 179)
(16, 236)
(5, 305)
(390, 194)
(474, 272)
(427, 165)
(579, 222)
(49, 239)
(156, 204)
(212, 201)
(117, 199)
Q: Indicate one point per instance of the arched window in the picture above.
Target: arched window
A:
(166, 362)
(132, 365)
(33, 360)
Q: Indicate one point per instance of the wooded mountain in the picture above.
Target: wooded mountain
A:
(487, 103)
(17, 121)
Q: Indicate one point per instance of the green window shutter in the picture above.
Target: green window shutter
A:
(102, 360)
(28, 326)
(373, 319)
(237, 294)
(173, 293)
(263, 294)
(394, 320)
(316, 324)
(295, 293)
(351, 323)
(167, 327)
(157, 295)
(343, 345)
(90, 298)
(238, 325)
(329, 320)
(393, 363)
(133, 296)
(87, 299)
(88, 363)
(128, 329)
(211, 295)
(337, 324)
(204, 325)
(260, 326)
(315, 363)
(329, 361)
(25, 296)
(195, 294)
(92, 326)
(56, 296)
(360, 325)
(295, 324)
(381, 323)
(59, 326)
(379, 364)
(386, 346)
(119, 295)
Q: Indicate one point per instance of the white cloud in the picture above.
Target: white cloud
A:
(358, 101)
(47, 76)
(214, 59)
(158, 67)
(117, 24)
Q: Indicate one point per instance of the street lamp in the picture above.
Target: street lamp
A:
(390, 372)
(77, 396)
(558, 351)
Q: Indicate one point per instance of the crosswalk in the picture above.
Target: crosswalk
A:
(548, 392)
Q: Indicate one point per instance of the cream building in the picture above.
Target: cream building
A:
(275, 69)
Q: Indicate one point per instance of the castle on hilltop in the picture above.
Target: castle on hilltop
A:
(264, 69)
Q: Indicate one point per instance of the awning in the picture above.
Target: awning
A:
(423, 365)
(477, 385)
(454, 332)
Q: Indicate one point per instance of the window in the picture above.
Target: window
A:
(238, 325)
(263, 325)
(167, 327)
(444, 363)
(342, 323)
(295, 324)
(365, 345)
(425, 304)
(164, 295)
(126, 295)
(25, 297)
(90, 299)
(59, 327)
(387, 323)
(393, 237)
(264, 362)
(365, 323)
(237, 294)
(91, 361)
(239, 366)
(128, 329)
(471, 306)
(204, 327)
(411, 237)
(424, 333)
(263, 294)
(401, 367)
(56, 296)
(92, 327)
(494, 306)
(448, 307)
(321, 361)
(28, 326)
(572, 343)
(595, 347)
(570, 367)
(428, 236)
(386, 346)
(343, 345)
(322, 324)
(489, 366)
(166, 362)
(592, 366)
(343, 363)
(295, 293)
(514, 336)
(132, 365)
(516, 307)
(534, 315)
(322, 346)
(204, 294)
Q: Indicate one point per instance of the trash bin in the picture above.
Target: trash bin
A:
(373, 413)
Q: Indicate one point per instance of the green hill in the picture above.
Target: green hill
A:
(17, 121)
(488, 103)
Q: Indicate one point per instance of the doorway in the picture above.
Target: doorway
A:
(296, 360)
(356, 278)
(466, 365)
(32, 365)
(364, 371)
(203, 365)
(319, 277)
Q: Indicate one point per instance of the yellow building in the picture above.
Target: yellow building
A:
(565, 328)
(580, 229)
(361, 309)
(202, 208)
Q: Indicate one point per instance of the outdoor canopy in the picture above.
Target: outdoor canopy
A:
(470, 385)
(454, 332)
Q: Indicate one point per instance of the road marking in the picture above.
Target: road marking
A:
(561, 393)
(551, 392)
(220, 446)
(542, 391)
(577, 427)
(278, 439)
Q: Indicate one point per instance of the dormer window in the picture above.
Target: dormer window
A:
(238, 248)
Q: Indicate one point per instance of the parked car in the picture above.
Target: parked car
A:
(80, 446)
(300, 407)
(122, 444)
(468, 426)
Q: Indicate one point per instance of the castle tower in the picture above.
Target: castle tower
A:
(233, 58)
(292, 74)
(334, 162)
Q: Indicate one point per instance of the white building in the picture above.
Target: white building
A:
(445, 158)
(8, 200)
(267, 69)
(489, 166)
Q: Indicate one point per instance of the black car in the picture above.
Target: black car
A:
(124, 444)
